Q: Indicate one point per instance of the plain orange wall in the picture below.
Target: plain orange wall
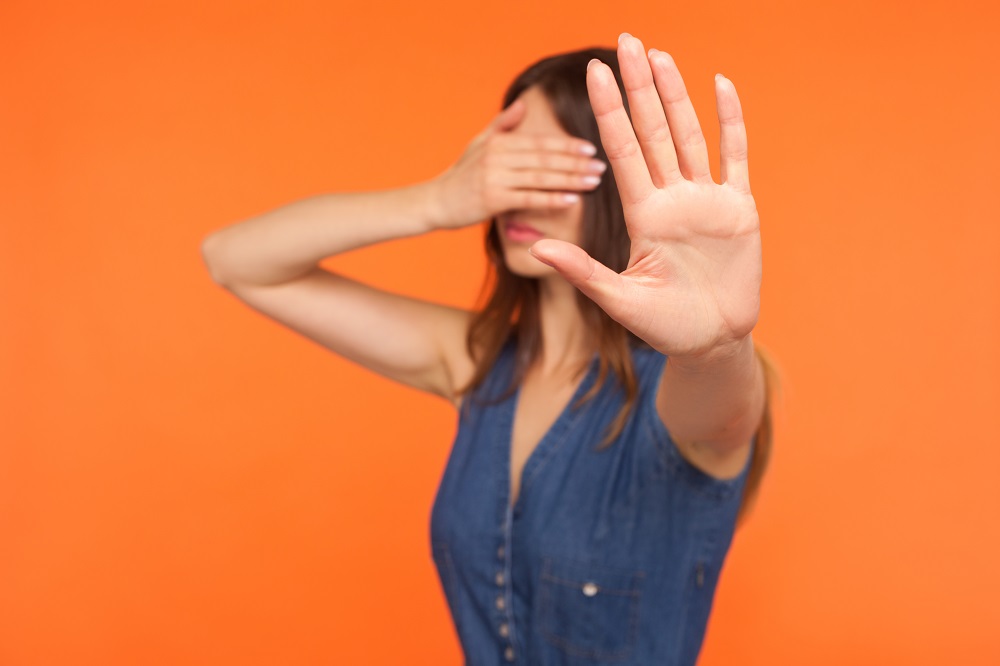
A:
(182, 481)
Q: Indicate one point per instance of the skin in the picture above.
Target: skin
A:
(539, 120)
(691, 288)
(692, 285)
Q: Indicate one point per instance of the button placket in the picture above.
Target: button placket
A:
(504, 600)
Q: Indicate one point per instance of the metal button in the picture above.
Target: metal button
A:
(508, 654)
(500, 552)
(500, 603)
(499, 579)
(504, 630)
(589, 589)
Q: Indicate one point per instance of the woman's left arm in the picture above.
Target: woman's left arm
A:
(692, 285)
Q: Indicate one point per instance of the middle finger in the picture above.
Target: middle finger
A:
(648, 117)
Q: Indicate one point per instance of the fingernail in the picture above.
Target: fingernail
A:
(592, 61)
(588, 149)
(597, 165)
(622, 37)
(571, 198)
(719, 78)
(591, 180)
(658, 56)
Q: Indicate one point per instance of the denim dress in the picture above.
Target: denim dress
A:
(606, 557)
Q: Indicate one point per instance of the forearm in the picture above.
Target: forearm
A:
(715, 399)
(287, 242)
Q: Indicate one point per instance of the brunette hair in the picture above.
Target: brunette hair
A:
(511, 302)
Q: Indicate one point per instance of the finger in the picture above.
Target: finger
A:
(551, 162)
(733, 135)
(509, 118)
(541, 143)
(620, 144)
(537, 200)
(648, 118)
(601, 284)
(692, 151)
(548, 180)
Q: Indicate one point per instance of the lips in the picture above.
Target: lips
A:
(519, 232)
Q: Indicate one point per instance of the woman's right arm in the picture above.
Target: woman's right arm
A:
(271, 262)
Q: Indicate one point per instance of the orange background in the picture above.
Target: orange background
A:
(182, 481)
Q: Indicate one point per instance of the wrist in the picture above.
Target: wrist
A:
(436, 211)
(719, 356)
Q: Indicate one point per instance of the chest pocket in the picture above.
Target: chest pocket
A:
(589, 610)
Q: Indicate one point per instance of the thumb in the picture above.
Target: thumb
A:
(509, 118)
(598, 282)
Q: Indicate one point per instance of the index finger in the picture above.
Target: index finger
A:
(617, 136)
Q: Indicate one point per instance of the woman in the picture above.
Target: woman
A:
(613, 411)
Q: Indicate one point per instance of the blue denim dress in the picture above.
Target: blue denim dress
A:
(607, 557)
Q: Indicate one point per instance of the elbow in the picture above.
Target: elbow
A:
(210, 251)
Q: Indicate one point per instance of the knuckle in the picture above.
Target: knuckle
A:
(659, 133)
(622, 151)
(692, 137)
(738, 153)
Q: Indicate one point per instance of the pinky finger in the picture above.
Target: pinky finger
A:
(542, 199)
(734, 166)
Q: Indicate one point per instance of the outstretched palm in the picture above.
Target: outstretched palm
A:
(693, 279)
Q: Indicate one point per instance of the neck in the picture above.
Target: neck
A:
(566, 341)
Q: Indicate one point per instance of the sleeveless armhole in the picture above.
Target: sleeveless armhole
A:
(670, 455)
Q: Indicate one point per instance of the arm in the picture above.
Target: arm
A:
(692, 286)
(271, 262)
(713, 406)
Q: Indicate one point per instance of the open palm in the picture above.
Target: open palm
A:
(692, 284)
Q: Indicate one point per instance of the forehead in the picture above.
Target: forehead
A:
(539, 118)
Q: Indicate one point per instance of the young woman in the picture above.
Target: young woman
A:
(613, 420)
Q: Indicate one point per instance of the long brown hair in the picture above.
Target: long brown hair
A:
(511, 302)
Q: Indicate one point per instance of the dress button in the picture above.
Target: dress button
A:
(499, 579)
(504, 630)
(508, 654)
(500, 552)
(589, 589)
(500, 603)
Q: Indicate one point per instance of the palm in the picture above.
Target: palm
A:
(694, 272)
